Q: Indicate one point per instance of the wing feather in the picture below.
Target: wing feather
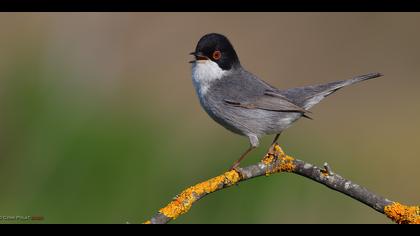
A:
(271, 101)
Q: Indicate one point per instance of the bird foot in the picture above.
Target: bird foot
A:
(275, 149)
(271, 149)
(235, 167)
(274, 152)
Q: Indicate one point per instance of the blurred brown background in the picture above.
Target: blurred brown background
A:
(99, 121)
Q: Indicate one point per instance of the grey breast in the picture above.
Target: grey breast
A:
(242, 86)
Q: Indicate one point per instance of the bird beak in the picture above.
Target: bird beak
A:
(198, 57)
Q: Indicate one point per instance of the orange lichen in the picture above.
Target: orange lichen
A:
(324, 172)
(278, 150)
(268, 159)
(184, 201)
(287, 164)
(282, 161)
(403, 214)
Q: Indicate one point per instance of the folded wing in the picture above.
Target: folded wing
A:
(270, 101)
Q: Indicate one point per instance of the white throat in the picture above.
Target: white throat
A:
(204, 73)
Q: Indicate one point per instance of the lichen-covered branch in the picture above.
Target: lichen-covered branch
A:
(277, 162)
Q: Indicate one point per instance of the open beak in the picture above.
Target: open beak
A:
(198, 57)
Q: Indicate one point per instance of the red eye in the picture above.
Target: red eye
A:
(217, 55)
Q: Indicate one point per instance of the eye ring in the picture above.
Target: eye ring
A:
(217, 55)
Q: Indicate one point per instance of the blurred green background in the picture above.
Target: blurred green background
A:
(99, 121)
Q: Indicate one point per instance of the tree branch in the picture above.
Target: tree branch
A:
(279, 162)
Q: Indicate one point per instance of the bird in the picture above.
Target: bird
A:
(245, 104)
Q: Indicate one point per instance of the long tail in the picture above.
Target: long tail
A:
(308, 96)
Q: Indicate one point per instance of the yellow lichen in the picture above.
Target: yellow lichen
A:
(147, 222)
(184, 201)
(283, 163)
(268, 159)
(278, 150)
(232, 177)
(287, 164)
(403, 214)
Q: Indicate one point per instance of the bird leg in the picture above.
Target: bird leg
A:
(238, 162)
(271, 149)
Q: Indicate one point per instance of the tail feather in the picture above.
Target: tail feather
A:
(308, 96)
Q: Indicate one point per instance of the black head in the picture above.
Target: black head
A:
(216, 47)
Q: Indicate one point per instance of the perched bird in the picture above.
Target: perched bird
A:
(245, 104)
